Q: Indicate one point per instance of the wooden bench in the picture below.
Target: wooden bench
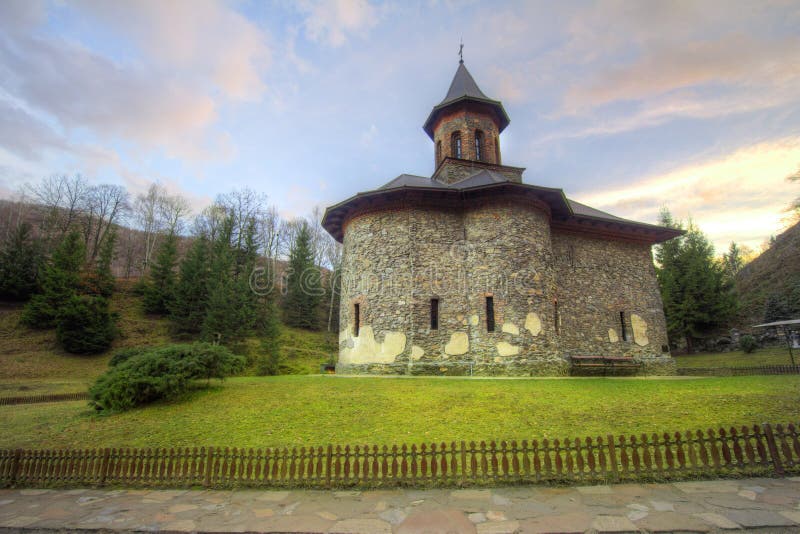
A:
(606, 363)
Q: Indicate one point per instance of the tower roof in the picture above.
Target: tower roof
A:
(463, 88)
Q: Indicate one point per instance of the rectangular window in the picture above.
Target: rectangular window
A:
(490, 314)
(623, 330)
(434, 314)
(556, 319)
(356, 319)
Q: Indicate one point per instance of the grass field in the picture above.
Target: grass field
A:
(765, 356)
(295, 410)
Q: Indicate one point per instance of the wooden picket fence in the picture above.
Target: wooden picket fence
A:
(50, 397)
(758, 449)
(740, 371)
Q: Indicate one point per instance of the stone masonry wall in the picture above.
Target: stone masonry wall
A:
(597, 280)
(554, 295)
(466, 120)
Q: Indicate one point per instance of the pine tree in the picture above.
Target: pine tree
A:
(20, 261)
(732, 260)
(60, 281)
(86, 325)
(159, 293)
(269, 361)
(777, 308)
(303, 287)
(696, 294)
(189, 308)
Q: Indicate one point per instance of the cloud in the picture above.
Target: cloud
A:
(739, 196)
(734, 59)
(334, 21)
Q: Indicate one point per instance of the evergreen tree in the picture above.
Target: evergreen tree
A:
(777, 308)
(20, 261)
(189, 308)
(269, 361)
(59, 282)
(697, 295)
(86, 325)
(231, 311)
(303, 287)
(733, 261)
(159, 293)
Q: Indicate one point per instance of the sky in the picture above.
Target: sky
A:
(626, 106)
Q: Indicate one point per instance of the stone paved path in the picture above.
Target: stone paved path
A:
(772, 505)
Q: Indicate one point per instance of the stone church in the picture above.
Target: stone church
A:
(472, 271)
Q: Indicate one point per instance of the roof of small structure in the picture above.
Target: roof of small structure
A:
(565, 213)
(778, 323)
(464, 89)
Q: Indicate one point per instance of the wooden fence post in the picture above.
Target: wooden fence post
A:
(328, 467)
(104, 465)
(773, 449)
(612, 454)
(15, 466)
(209, 458)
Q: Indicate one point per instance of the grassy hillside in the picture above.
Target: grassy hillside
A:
(316, 410)
(776, 270)
(31, 361)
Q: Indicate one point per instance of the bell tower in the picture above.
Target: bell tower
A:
(466, 125)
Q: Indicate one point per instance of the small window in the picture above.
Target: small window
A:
(434, 314)
(356, 319)
(438, 152)
(556, 318)
(455, 141)
(479, 145)
(623, 329)
(490, 314)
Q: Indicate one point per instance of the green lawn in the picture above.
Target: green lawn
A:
(295, 410)
(766, 356)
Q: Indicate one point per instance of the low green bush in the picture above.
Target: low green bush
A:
(748, 343)
(141, 376)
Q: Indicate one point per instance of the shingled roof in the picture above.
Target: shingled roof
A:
(565, 212)
(464, 89)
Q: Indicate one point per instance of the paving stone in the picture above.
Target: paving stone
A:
(636, 515)
(791, 514)
(471, 494)
(20, 521)
(613, 523)
(184, 525)
(672, 522)
(569, 523)
(178, 508)
(499, 500)
(710, 486)
(758, 518)
(34, 492)
(662, 506)
(324, 514)
(757, 489)
(748, 494)
(638, 507)
(395, 516)
(273, 496)
(495, 515)
(361, 526)
(499, 527)
(381, 506)
(346, 494)
(477, 517)
(6, 501)
(263, 512)
(594, 490)
(440, 521)
(295, 523)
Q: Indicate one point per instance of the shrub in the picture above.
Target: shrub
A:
(147, 374)
(85, 325)
(124, 355)
(748, 343)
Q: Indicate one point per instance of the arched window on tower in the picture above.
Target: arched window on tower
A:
(438, 152)
(455, 145)
(479, 155)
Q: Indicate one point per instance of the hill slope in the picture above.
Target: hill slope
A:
(776, 270)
